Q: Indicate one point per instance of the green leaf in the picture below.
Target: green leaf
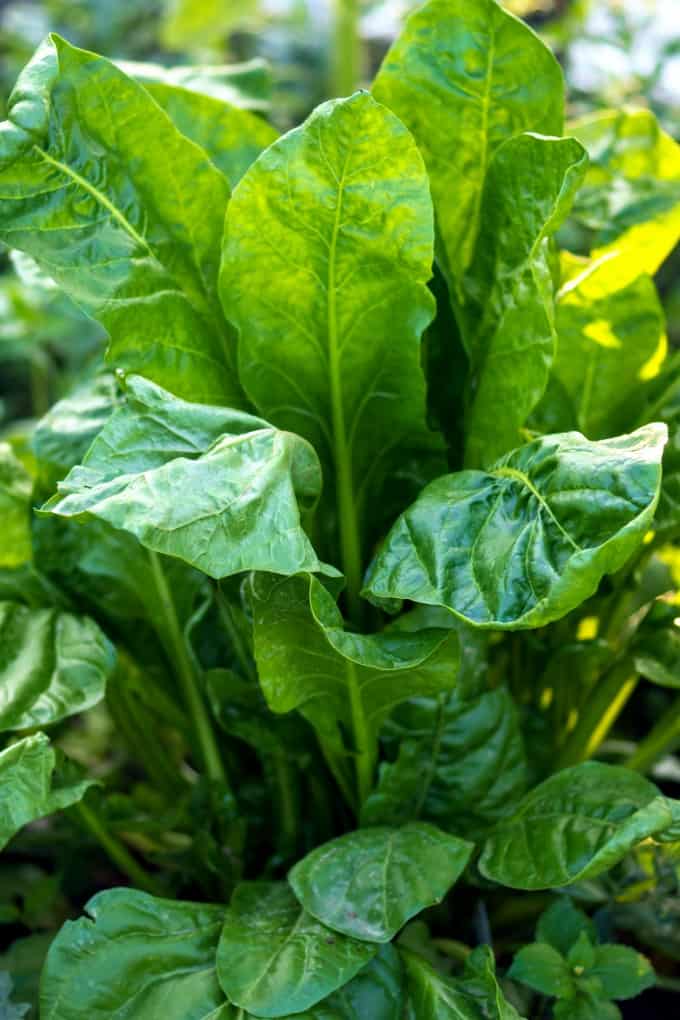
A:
(189, 24)
(10, 1010)
(16, 489)
(217, 488)
(135, 956)
(575, 825)
(128, 222)
(657, 655)
(307, 660)
(461, 764)
(328, 242)
(52, 665)
(621, 971)
(562, 923)
(370, 882)
(31, 785)
(247, 85)
(274, 958)
(586, 1008)
(464, 76)
(377, 992)
(544, 969)
(475, 996)
(524, 543)
(609, 343)
(509, 315)
(631, 194)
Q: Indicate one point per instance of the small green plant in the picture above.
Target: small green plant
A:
(330, 586)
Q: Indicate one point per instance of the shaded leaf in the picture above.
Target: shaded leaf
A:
(10, 1010)
(247, 85)
(376, 992)
(561, 925)
(474, 996)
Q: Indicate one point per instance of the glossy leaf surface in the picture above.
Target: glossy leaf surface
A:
(575, 825)
(135, 956)
(247, 85)
(621, 972)
(274, 958)
(30, 788)
(527, 541)
(128, 222)
(217, 488)
(509, 316)
(465, 75)
(369, 883)
(52, 665)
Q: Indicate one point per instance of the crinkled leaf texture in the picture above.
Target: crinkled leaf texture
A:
(575, 825)
(370, 882)
(329, 244)
(16, 488)
(464, 76)
(522, 544)
(126, 218)
(135, 956)
(274, 958)
(52, 665)
(474, 996)
(217, 488)
(306, 659)
(32, 785)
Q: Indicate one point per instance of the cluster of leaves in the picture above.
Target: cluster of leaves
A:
(330, 583)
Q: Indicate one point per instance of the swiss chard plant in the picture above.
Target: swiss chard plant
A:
(325, 600)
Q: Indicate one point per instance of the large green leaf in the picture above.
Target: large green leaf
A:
(217, 488)
(609, 343)
(509, 318)
(631, 195)
(464, 76)
(125, 213)
(377, 992)
(573, 826)
(460, 764)
(135, 956)
(527, 541)
(16, 488)
(370, 882)
(274, 958)
(32, 786)
(328, 244)
(52, 665)
(474, 996)
(307, 660)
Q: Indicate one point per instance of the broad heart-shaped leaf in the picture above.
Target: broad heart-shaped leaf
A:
(135, 956)
(524, 543)
(274, 958)
(460, 764)
(306, 659)
(575, 825)
(370, 882)
(232, 137)
(545, 970)
(464, 76)
(217, 488)
(52, 665)
(16, 488)
(329, 244)
(609, 343)
(631, 194)
(30, 788)
(508, 318)
(376, 992)
(474, 996)
(126, 215)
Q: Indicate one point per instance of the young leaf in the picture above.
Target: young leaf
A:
(585, 1007)
(274, 958)
(561, 925)
(621, 971)
(544, 969)
(524, 543)
(52, 665)
(369, 883)
(461, 764)
(509, 316)
(128, 221)
(575, 825)
(464, 76)
(16, 488)
(307, 660)
(135, 955)
(217, 488)
(30, 788)
(475, 996)
(328, 243)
